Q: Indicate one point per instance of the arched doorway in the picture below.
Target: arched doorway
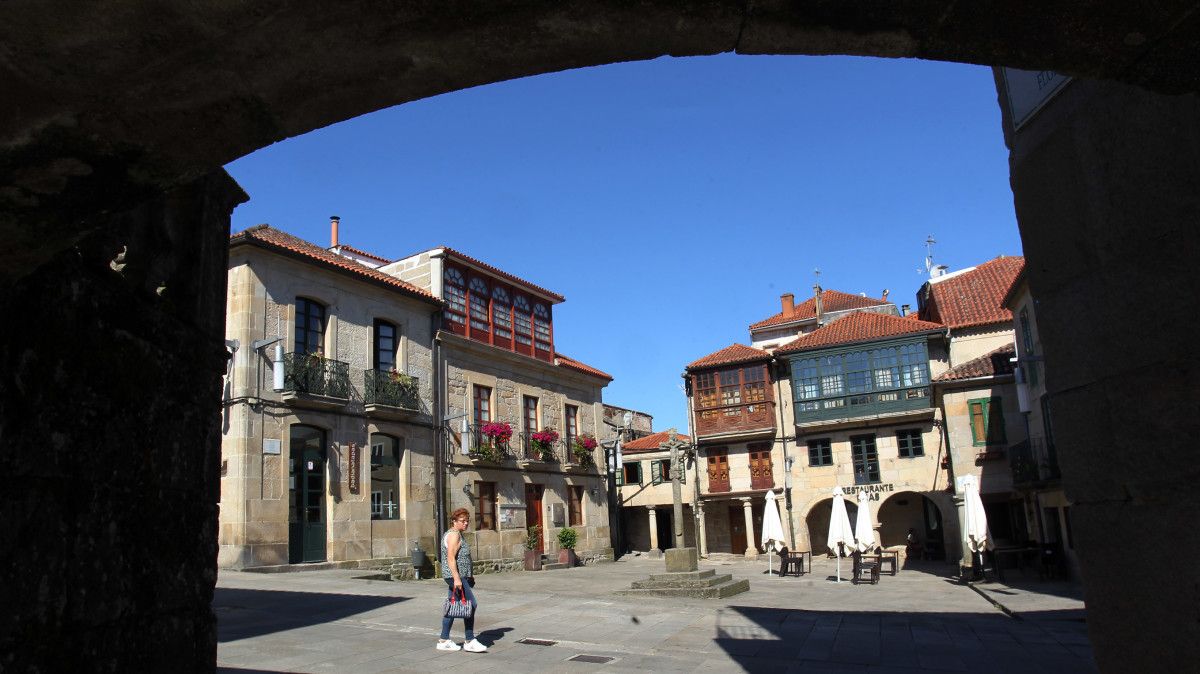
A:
(817, 521)
(912, 510)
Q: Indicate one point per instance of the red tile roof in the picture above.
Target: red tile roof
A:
(831, 301)
(363, 253)
(988, 365)
(651, 442)
(269, 237)
(975, 297)
(572, 364)
(860, 326)
(735, 353)
(503, 274)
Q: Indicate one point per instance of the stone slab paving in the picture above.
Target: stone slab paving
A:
(919, 620)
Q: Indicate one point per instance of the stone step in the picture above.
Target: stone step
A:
(727, 589)
(554, 567)
(710, 581)
(684, 575)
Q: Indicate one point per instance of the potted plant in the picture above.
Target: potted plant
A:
(567, 538)
(533, 561)
(492, 438)
(582, 449)
(543, 443)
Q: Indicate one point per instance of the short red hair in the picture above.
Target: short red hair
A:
(459, 513)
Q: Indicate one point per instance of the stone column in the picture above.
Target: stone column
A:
(654, 550)
(703, 542)
(751, 548)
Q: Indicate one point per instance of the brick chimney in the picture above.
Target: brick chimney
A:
(885, 294)
(788, 302)
(817, 302)
(333, 230)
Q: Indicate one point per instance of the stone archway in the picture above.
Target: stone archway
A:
(114, 212)
(817, 522)
(930, 522)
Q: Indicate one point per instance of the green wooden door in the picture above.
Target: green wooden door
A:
(306, 518)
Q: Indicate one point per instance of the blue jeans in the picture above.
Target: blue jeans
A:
(468, 623)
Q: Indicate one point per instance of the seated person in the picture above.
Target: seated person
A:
(912, 543)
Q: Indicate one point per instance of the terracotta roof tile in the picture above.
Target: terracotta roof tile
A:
(735, 353)
(270, 237)
(860, 326)
(988, 365)
(831, 301)
(571, 363)
(503, 274)
(974, 297)
(651, 442)
(362, 253)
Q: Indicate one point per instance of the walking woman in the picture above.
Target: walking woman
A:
(456, 565)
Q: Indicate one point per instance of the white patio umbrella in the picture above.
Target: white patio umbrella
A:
(864, 534)
(978, 536)
(840, 533)
(772, 529)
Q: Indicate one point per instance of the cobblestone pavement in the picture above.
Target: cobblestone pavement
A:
(918, 620)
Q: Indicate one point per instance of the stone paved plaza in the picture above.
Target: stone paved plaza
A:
(919, 620)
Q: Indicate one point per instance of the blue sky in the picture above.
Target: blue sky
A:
(671, 201)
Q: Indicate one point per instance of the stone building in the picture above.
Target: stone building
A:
(647, 497)
(327, 434)
(519, 414)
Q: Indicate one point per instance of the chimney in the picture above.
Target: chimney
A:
(788, 301)
(904, 309)
(333, 231)
(885, 294)
(817, 302)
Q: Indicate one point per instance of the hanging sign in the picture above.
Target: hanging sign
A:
(354, 478)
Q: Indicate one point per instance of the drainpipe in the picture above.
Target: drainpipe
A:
(787, 464)
(439, 437)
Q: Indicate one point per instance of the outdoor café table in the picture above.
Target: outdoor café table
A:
(795, 562)
(890, 557)
(1021, 552)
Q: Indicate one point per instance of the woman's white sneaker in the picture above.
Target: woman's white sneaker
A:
(473, 646)
(447, 645)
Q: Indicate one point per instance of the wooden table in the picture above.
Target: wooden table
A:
(891, 558)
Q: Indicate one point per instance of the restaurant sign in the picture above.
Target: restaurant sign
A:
(873, 490)
(355, 476)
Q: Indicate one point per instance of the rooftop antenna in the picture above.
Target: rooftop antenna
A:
(817, 276)
(929, 241)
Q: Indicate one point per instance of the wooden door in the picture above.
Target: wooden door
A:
(306, 475)
(760, 466)
(718, 470)
(533, 513)
(737, 529)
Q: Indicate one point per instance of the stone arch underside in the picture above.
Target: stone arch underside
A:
(108, 106)
(117, 119)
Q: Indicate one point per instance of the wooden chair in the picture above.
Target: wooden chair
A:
(866, 568)
(792, 562)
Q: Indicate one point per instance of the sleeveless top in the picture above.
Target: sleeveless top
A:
(463, 559)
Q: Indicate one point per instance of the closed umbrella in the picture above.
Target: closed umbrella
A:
(772, 528)
(978, 536)
(840, 533)
(864, 534)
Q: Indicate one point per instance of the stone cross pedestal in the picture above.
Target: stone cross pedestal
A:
(684, 579)
(682, 559)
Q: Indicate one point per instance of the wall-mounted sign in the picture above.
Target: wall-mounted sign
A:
(270, 445)
(1029, 91)
(873, 490)
(354, 478)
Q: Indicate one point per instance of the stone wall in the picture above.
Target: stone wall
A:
(112, 441)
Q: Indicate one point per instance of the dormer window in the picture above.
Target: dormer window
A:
(541, 326)
(479, 304)
(455, 294)
(501, 317)
(523, 320)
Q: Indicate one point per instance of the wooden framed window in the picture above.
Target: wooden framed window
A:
(571, 423)
(718, 469)
(575, 506)
(485, 506)
(866, 459)
(501, 317)
(386, 344)
(987, 421)
(909, 443)
(480, 320)
(761, 476)
(454, 290)
(820, 452)
(310, 326)
(523, 320)
(754, 388)
(660, 471)
(529, 417)
(1031, 368)
(731, 387)
(632, 472)
(541, 327)
(706, 390)
(482, 408)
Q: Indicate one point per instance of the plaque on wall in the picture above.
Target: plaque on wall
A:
(271, 445)
(354, 478)
(558, 515)
(512, 516)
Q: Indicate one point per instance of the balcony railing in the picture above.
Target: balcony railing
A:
(532, 450)
(1033, 460)
(487, 448)
(736, 418)
(863, 404)
(387, 388)
(312, 374)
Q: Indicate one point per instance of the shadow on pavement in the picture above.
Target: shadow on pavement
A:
(489, 637)
(242, 614)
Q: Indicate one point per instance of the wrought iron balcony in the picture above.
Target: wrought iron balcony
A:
(487, 448)
(391, 388)
(310, 373)
(1033, 461)
(532, 450)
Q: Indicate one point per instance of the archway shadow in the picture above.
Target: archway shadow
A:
(242, 613)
